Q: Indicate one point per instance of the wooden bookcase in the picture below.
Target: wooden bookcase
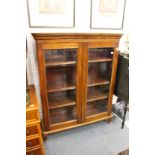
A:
(77, 76)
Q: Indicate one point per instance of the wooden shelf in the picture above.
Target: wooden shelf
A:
(59, 63)
(99, 59)
(63, 103)
(96, 96)
(62, 115)
(61, 119)
(58, 81)
(97, 81)
(96, 107)
(61, 87)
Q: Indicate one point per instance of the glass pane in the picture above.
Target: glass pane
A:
(61, 67)
(60, 56)
(99, 76)
(99, 73)
(62, 114)
(100, 54)
(61, 78)
(96, 107)
(99, 65)
(61, 99)
(98, 92)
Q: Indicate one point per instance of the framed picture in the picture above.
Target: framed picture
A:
(107, 14)
(51, 13)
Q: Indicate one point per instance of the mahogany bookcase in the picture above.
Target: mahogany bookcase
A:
(77, 77)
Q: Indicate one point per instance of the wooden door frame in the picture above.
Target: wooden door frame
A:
(86, 47)
(42, 77)
(85, 79)
(113, 77)
(43, 89)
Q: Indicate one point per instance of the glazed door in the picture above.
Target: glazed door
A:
(62, 65)
(98, 85)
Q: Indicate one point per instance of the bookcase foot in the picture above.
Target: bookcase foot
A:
(44, 137)
(109, 120)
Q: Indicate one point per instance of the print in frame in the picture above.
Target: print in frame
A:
(51, 13)
(107, 14)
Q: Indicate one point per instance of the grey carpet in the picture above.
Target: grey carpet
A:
(96, 139)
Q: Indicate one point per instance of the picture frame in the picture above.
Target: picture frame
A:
(107, 14)
(51, 13)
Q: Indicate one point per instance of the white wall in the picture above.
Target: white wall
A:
(82, 21)
(82, 25)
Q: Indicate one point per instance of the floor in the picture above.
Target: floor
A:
(96, 139)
